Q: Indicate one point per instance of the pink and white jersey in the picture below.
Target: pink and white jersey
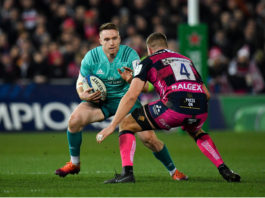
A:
(176, 81)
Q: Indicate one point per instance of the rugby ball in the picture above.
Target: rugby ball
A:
(96, 84)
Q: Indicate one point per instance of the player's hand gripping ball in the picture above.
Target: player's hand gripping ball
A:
(96, 84)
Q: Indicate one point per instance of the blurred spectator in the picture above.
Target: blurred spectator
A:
(6, 9)
(40, 68)
(29, 14)
(111, 8)
(138, 44)
(141, 25)
(74, 66)
(259, 58)
(79, 16)
(57, 68)
(68, 26)
(144, 8)
(4, 46)
(8, 70)
(252, 36)
(40, 40)
(244, 75)
(173, 45)
(40, 36)
(218, 65)
(90, 25)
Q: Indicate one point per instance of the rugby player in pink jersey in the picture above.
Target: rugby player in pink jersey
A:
(183, 102)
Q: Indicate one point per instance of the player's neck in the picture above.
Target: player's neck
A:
(111, 57)
(158, 49)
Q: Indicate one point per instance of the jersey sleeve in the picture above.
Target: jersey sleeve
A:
(86, 66)
(133, 59)
(197, 75)
(141, 69)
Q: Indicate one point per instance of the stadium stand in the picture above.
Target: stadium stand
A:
(46, 39)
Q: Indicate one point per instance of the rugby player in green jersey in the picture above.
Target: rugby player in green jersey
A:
(113, 64)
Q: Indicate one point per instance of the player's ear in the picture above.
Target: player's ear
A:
(100, 41)
(119, 38)
(149, 50)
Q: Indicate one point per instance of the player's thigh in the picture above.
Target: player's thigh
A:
(129, 123)
(86, 113)
(136, 121)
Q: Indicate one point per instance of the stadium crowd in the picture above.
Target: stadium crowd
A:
(47, 39)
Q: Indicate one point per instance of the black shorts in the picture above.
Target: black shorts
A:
(141, 117)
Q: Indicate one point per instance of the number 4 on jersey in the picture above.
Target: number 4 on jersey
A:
(183, 70)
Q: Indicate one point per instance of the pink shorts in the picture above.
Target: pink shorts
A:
(164, 118)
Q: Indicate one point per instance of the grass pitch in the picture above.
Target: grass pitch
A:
(28, 162)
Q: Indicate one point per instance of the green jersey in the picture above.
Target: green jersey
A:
(96, 63)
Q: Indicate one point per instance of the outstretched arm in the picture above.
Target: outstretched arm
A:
(127, 75)
(126, 103)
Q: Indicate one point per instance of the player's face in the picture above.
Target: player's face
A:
(110, 41)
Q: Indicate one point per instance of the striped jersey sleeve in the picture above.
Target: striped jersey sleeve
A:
(91, 58)
(129, 56)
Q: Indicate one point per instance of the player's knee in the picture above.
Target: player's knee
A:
(196, 134)
(75, 123)
(124, 124)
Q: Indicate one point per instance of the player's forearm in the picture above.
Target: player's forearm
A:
(206, 92)
(79, 85)
(79, 91)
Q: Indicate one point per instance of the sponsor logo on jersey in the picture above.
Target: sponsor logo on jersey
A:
(100, 71)
(185, 86)
(168, 61)
(115, 82)
(135, 63)
(137, 69)
(156, 109)
(190, 101)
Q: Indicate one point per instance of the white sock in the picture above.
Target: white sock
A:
(75, 160)
(172, 172)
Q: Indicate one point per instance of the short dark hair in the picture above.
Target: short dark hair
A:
(156, 39)
(108, 26)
